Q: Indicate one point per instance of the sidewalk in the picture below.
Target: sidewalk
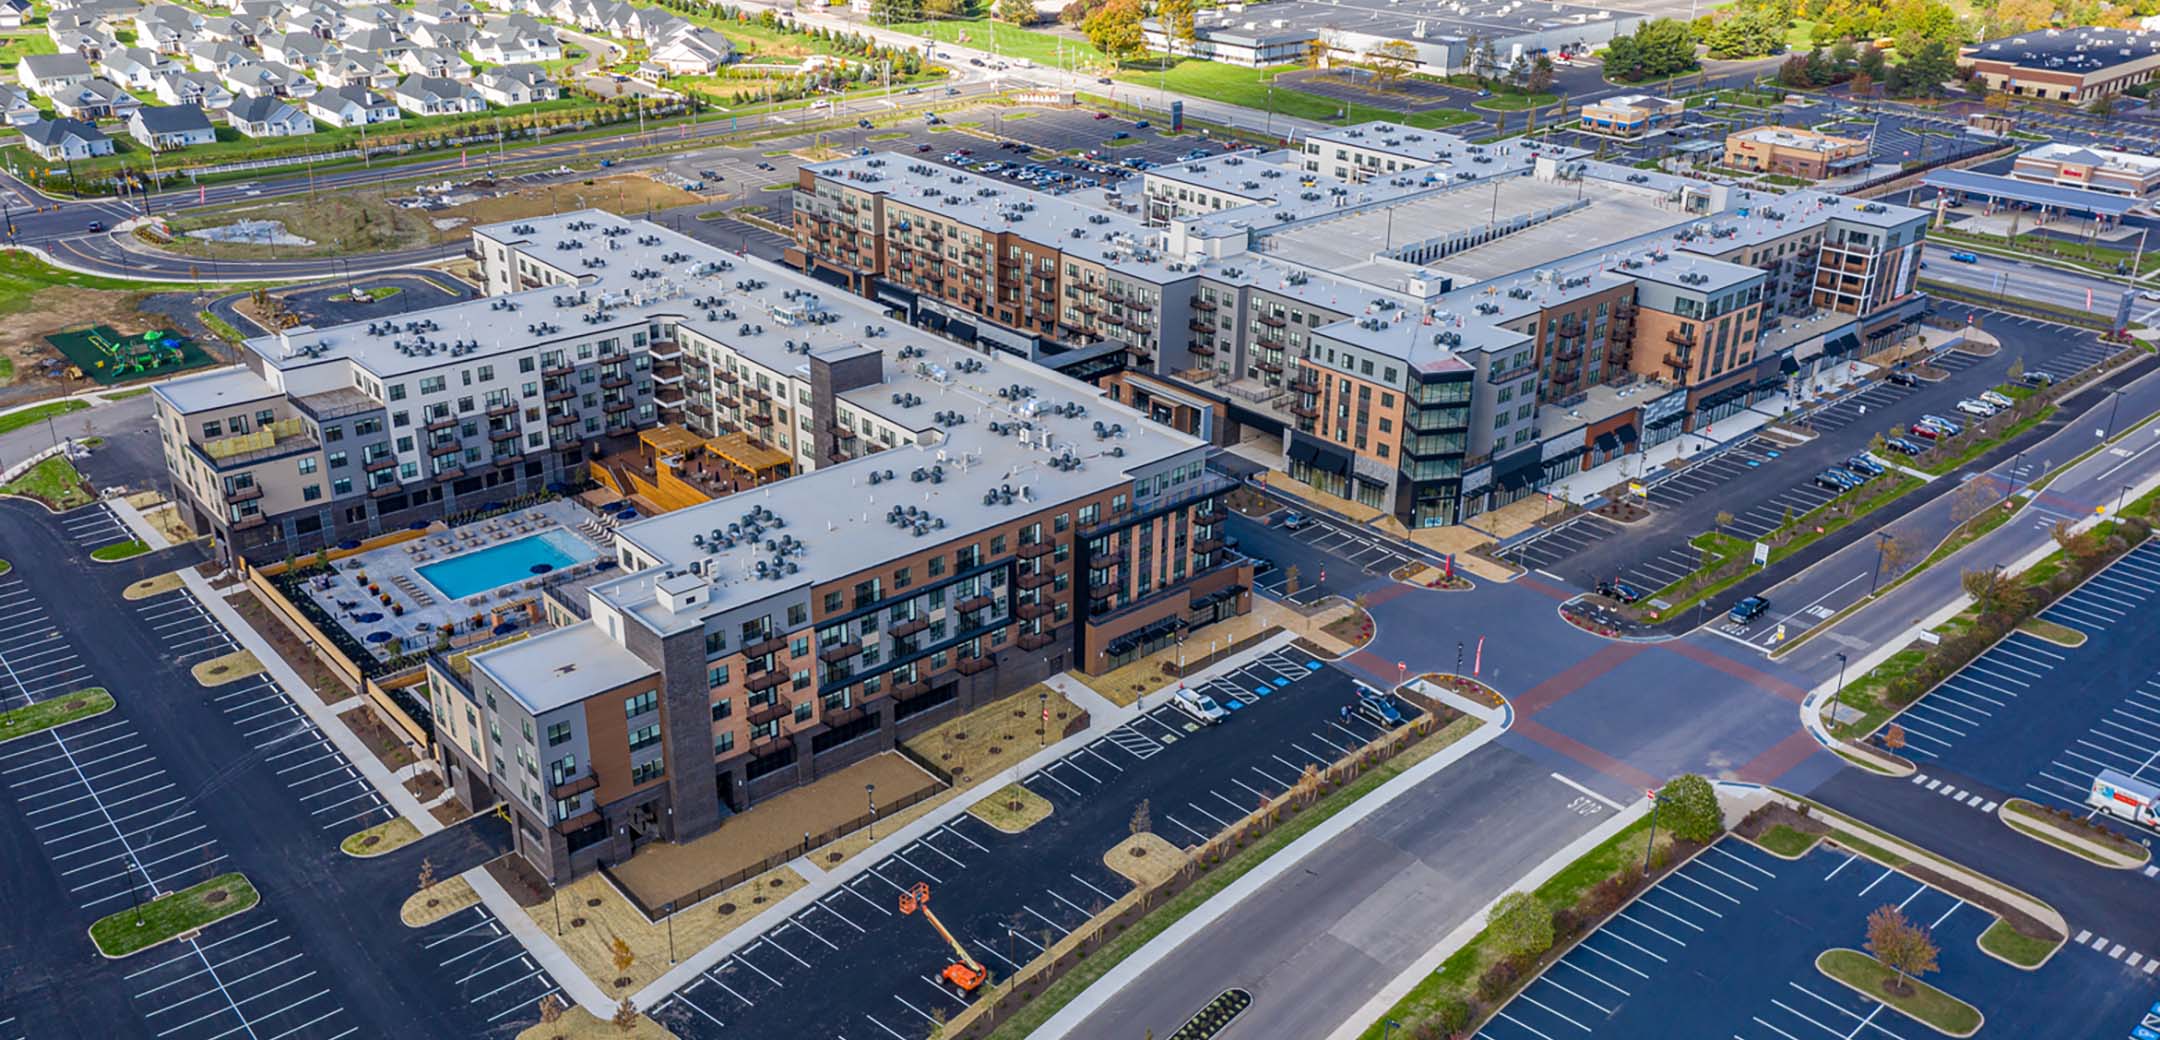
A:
(1103, 716)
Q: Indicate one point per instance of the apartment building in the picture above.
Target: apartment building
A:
(2094, 169)
(1003, 523)
(1794, 152)
(1587, 310)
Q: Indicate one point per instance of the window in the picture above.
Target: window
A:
(311, 492)
(724, 743)
(652, 770)
(640, 704)
(557, 732)
(309, 464)
(716, 676)
(802, 712)
(644, 737)
(722, 708)
(797, 614)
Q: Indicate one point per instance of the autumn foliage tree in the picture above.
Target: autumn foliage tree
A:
(1901, 945)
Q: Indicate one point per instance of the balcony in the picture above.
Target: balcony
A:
(1680, 338)
(383, 490)
(1678, 362)
(378, 465)
(766, 647)
(1034, 580)
(613, 407)
(1207, 545)
(588, 818)
(562, 419)
(839, 651)
(557, 371)
(1104, 590)
(725, 376)
(1210, 516)
(1032, 550)
(559, 396)
(497, 411)
(1270, 367)
(763, 681)
(777, 710)
(1031, 611)
(447, 422)
(1567, 353)
(909, 627)
(574, 786)
(761, 419)
(1304, 383)
(972, 604)
(1035, 640)
(505, 434)
(1203, 306)
(1273, 321)
(1108, 557)
(614, 382)
(755, 394)
(1203, 349)
(250, 520)
(908, 691)
(843, 433)
(1304, 411)
(245, 494)
(973, 665)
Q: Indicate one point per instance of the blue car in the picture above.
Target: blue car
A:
(1965, 258)
(1380, 708)
(1864, 464)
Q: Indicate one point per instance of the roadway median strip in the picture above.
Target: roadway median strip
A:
(2075, 834)
(1910, 997)
(1729, 560)
(173, 915)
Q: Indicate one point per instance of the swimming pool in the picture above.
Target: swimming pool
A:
(467, 574)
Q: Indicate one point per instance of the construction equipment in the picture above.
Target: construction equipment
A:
(966, 973)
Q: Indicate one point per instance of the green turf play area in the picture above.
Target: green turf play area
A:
(109, 357)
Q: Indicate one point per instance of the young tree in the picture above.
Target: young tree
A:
(1797, 71)
(1894, 551)
(1689, 808)
(2102, 106)
(551, 1009)
(1972, 499)
(427, 874)
(1901, 946)
(1861, 85)
(1140, 823)
(621, 953)
(1521, 923)
(626, 1015)
(2016, 371)
(1518, 71)
(1022, 12)
(1114, 29)
(1541, 75)
(1987, 587)
(1723, 520)
(1391, 61)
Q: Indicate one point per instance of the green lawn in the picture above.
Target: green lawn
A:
(23, 275)
(14, 47)
(1249, 88)
(1939, 1010)
(1516, 102)
(7, 371)
(1786, 841)
(2016, 947)
(220, 327)
(36, 414)
(172, 915)
(53, 481)
(54, 711)
(1807, 529)
(119, 550)
(1008, 40)
(126, 394)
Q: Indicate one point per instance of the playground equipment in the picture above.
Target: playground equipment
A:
(967, 972)
(134, 355)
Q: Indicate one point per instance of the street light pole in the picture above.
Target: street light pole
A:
(2119, 495)
(1043, 734)
(1882, 539)
(671, 933)
(2114, 406)
(870, 792)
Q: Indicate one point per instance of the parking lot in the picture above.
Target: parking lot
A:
(2036, 720)
(1747, 926)
(1333, 558)
(248, 979)
(95, 526)
(472, 953)
(1006, 897)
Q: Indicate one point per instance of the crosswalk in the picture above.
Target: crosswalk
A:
(1969, 799)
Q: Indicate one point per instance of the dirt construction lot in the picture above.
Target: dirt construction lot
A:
(355, 222)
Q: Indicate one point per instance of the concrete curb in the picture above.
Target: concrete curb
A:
(825, 882)
(1147, 957)
(1430, 961)
(133, 518)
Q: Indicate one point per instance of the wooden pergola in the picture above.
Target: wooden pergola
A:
(738, 450)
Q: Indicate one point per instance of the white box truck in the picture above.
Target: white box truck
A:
(2134, 800)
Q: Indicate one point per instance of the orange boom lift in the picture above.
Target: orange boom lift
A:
(967, 972)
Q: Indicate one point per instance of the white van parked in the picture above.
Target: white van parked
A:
(1200, 706)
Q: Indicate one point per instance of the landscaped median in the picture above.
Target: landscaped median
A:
(173, 915)
(1017, 1006)
(1727, 561)
(118, 551)
(2001, 604)
(2074, 833)
(39, 716)
(1911, 997)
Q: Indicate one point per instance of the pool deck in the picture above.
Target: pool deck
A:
(394, 570)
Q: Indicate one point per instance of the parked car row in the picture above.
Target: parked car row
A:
(1854, 472)
(1935, 428)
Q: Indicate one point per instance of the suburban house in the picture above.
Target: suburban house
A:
(166, 127)
(437, 96)
(436, 12)
(427, 61)
(90, 45)
(352, 105)
(300, 50)
(380, 42)
(268, 117)
(13, 13)
(16, 108)
(94, 99)
(218, 57)
(269, 79)
(697, 52)
(361, 70)
(61, 140)
(202, 89)
(226, 29)
(136, 67)
(516, 85)
(517, 38)
(445, 36)
(46, 73)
